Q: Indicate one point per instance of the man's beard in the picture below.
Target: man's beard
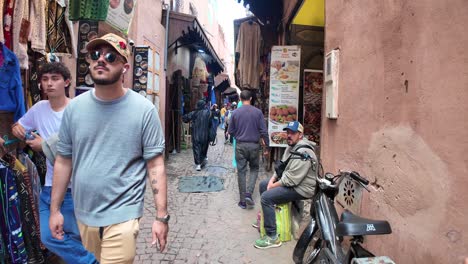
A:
(113, 79)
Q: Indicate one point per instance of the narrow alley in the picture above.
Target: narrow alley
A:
(207, 227)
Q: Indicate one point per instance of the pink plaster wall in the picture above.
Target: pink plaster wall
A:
(146, 29)
(402, 120)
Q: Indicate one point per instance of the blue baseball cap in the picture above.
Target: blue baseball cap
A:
(294, 126)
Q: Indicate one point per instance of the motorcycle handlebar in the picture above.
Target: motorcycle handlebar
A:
(335, 182)
(359, 178)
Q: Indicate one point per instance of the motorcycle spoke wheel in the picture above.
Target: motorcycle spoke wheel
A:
(312, 250)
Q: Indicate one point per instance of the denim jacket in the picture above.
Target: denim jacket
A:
(11, 89)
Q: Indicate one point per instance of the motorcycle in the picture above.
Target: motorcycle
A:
(321, 241)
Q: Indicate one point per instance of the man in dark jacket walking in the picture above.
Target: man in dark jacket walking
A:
(247, 125)
(201, 125)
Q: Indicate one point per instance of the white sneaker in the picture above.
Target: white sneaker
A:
(198, 167)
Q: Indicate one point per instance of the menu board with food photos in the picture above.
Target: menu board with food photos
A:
(284, 91)
(145, 76)
(87, 31)
(140, 69)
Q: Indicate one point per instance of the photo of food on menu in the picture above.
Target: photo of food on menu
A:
(282, 114)
(284, 70)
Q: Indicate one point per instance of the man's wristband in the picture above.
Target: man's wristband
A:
(164, 219)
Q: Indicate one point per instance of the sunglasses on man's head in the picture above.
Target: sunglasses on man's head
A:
(109, 56)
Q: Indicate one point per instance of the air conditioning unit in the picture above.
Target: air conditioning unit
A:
(331, 83)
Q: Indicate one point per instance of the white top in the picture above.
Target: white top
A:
(46, 121)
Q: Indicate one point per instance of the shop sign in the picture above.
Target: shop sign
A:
(284, 91)
(313, 87)
(87, 31)
(120, 14)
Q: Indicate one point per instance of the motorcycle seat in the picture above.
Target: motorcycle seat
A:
(353, 225)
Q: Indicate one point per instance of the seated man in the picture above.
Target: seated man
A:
(297, 182)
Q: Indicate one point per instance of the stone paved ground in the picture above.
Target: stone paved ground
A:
(207, 227)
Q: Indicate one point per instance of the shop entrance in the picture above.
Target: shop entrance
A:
(289, 88)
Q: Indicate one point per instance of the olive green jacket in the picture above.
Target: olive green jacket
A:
(299, 174)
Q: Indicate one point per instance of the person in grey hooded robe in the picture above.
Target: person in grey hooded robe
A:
(201, 125)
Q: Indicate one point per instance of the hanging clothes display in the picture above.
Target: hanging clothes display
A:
(33, 183)
(21, 32)
(30, 227)
(11, 90)
(60, 37)
(7, 26)
(2, 38)
(88, 9)
(37, 32)
(248, 46)
(21, 238)
(10, 220)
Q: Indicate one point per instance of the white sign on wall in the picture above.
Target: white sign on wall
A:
(120, 13)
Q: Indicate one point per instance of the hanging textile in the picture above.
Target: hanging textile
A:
(30, 228)
(11, 89)
(15, 181)
(40, 161)
(248, 46)
(7, 22)
(33, 184)
(33, 89)
(88, 9)
(3, 251)
(2, 37)
(10, 220)
(59, 37)
(37, 18)
(21, 32)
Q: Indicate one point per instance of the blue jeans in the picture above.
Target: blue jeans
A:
(272, 197)
(70, 249)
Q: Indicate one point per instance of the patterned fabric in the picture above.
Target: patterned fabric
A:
(11, 221)
(20, 27)
(39, 160)
(58, 33)
(3, 254)
(33, 184)
(30, 227)
(7, 22)
(37, 32)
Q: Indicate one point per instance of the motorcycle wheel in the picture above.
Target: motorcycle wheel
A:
(308, 246)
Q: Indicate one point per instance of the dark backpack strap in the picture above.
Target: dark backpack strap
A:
(299, 147)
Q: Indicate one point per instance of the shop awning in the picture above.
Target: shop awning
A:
(222, 82)
(186, 31)
(223, 85)
(311, 13)
(230, 90)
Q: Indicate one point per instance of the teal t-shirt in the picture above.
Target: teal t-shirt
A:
(109, 143)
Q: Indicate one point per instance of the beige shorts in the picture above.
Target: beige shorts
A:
(111, 244)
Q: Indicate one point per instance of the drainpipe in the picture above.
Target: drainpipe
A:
(166, 6)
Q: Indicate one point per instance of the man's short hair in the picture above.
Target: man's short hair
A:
(245, 95)
(54, 67)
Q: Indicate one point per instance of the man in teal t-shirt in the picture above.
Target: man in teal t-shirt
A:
(110, 139)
